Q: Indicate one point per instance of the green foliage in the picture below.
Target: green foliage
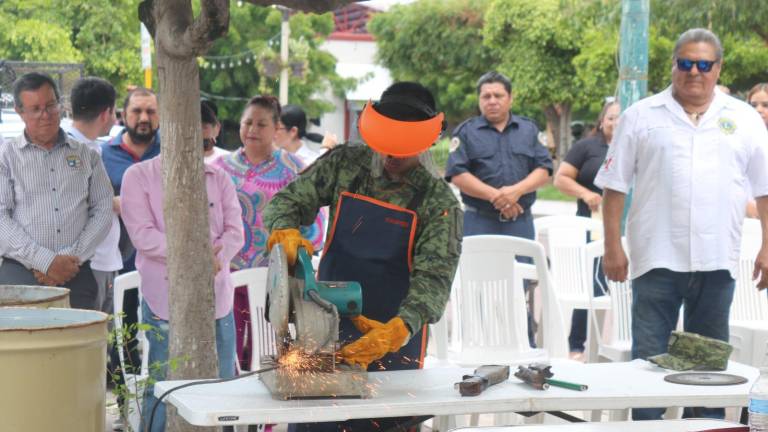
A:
(741, 26)
(597, 67)
(535, 40)
(439, 44)
(440, 152)
(745, 62)
(744, 18)
(556, 51)
(25, 41)
(102, 34)
(133, 390)
(258, 29)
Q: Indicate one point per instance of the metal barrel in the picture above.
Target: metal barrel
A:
(52, 369)
(33, 296)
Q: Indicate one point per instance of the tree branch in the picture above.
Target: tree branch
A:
(146, 15)
(183, 36)
(211, 24)
(305, 5)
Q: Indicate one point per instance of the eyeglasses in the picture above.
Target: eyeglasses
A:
(37, 112)
(703, 66)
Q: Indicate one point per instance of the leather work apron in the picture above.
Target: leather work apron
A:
(371, 242)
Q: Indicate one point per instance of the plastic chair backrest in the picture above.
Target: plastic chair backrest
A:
(621, 311)
(621, 300)
(749, 304)
(571, 222)
(564, 238)
(255, 279)
(439, 330)
(489, 309)
(123, 283)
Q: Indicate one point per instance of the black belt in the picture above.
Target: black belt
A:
(490, 214)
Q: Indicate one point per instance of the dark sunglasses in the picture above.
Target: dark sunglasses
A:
(703, 66)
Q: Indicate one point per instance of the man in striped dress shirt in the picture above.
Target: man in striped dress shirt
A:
(55, 198)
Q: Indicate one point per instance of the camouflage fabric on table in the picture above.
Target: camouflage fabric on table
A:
(437, 243)
(690, 351)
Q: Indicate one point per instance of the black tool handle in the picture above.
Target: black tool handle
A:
(484, 377)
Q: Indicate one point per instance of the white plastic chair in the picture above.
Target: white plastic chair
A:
(437, 347)
(134, 382)
(488, 304)
(618, 347)
(255, 279)
(437, 356)
(615, 342)
(488, 312)
(749, 310)
(565, 241)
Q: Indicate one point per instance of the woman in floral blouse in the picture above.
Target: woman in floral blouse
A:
(259, 171)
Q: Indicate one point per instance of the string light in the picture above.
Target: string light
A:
(230, 61)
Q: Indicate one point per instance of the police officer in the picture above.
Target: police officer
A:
(497, 163)
(396, 230)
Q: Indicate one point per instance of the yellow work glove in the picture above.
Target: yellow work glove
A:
(291, 240)
(364, 325)
(375, 343)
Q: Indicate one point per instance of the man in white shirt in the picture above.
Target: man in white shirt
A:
(688, 152)
(93, 112)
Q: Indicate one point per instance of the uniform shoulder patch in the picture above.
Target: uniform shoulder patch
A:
(454, 144)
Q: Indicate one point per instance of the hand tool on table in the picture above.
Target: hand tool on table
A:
(305, 316)
(483, 377)
(539, 376)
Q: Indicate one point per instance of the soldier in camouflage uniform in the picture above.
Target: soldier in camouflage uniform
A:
(397, 229)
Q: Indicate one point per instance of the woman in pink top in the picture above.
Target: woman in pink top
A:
(142, 211)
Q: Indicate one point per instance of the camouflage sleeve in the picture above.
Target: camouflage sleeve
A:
(298, 203)
(434, 266)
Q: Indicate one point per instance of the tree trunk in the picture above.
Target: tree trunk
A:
(559, 121)
(190, 267)
(178, 41)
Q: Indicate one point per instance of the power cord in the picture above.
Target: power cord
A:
(195, 383)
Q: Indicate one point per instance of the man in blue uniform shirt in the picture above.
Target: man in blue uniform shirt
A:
(497, 163)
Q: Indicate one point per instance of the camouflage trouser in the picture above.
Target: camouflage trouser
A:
(656, 300)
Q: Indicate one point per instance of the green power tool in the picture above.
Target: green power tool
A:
(346, 296)
(305, 315)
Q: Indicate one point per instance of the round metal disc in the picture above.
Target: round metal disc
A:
(705, 379)
(278, 293)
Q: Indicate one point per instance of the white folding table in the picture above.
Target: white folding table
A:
(612, 386)
(690, 425)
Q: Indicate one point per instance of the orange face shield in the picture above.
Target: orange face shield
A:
(396, 137)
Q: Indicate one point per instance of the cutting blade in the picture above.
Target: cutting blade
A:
(278, 292)
(705, 378)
